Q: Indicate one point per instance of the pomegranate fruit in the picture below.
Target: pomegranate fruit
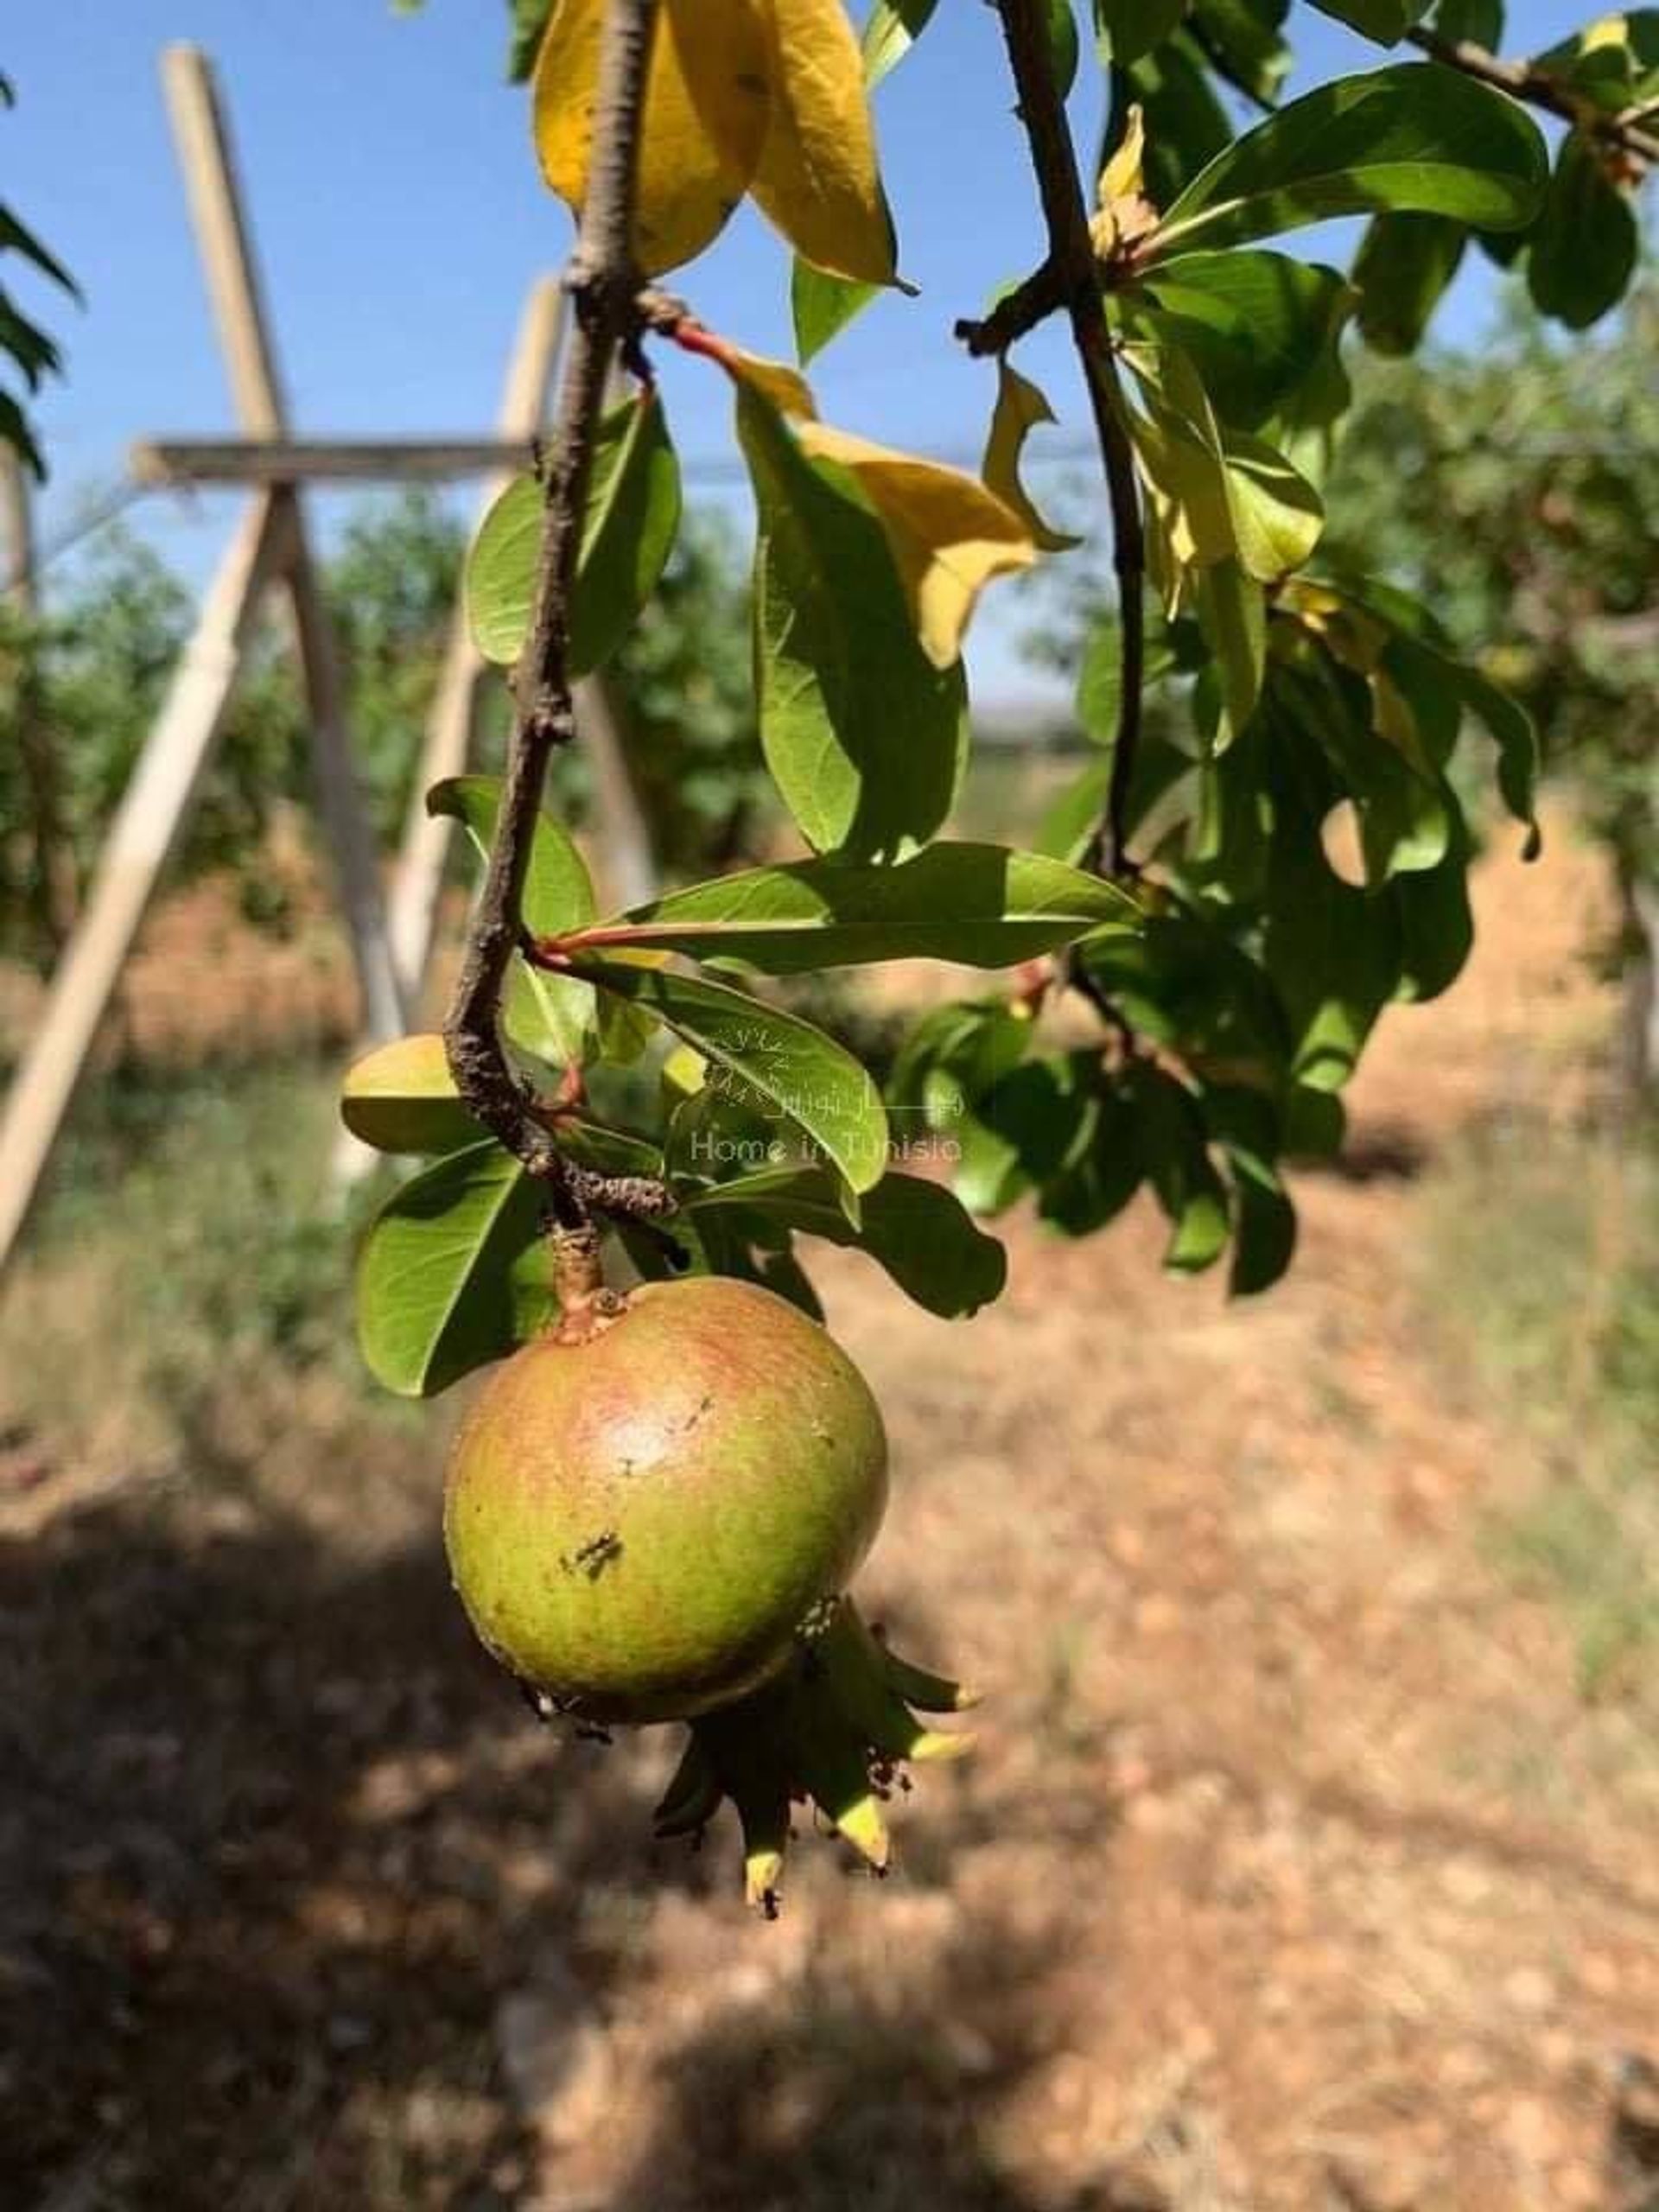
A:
(644, 1511)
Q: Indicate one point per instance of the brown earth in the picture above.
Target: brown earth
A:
(1291, 1872)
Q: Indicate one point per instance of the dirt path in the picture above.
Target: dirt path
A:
(1290, 1872)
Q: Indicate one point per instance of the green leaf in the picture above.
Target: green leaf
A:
(546, 1014)
(35, 354)
(979, 904)
(1102, 1171)
(15, 433)
(15, 236)
(1585, 243)
(1404, 808)
(866, 740)
(402, 1097)
(528, 21)
(821, 306)
(558, 892)
(1185, 122)
(1386, 21)
(1416, 136)
(801, 1074)
(1217, 493)
(1186, 985)
(1021, 1132)
(1068, 823)
(1333, 954)
(915, 1229)
(893, 29)
(957, 1052)
(633, 514)
(1264, 1235)
(1478, 21)
(1403, 267)
(1613, 62)
(1232, 612)
(1177, 1163)
(1511, 728)
(1254, 323)
(1125, 29)
(1242, 39)
(1062, 44)
(437, 1291)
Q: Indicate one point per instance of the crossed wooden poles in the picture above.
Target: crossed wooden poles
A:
(390, 939)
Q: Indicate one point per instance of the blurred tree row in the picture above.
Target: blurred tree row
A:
(95, 666)
(1516, 492)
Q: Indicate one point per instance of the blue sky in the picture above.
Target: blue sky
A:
(399, 219)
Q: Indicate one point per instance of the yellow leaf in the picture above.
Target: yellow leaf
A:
(1021, 406)
(707, 102)
(1122, 177)
(1125, 213)
(949, 534)
(817, 180)
(402, 1097)
(784, 386)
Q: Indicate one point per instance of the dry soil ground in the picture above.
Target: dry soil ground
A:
(1291, 1872)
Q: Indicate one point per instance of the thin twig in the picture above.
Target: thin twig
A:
(602, 281)
(1522, 81)
(1039, 296)
(1072, 258)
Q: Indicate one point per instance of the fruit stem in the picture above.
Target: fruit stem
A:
(586, 1306)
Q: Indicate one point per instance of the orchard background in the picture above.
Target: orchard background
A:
(1305, 1856)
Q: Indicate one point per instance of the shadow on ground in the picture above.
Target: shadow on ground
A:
(278, 1842)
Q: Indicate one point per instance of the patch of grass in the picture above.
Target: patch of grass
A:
(1542, 1273)
(188, 1252)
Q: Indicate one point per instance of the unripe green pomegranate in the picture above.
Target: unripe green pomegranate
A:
(642, 1515)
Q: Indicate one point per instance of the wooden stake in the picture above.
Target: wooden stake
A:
(208, 161)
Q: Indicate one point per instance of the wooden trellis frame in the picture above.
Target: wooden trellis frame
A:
(391, 939)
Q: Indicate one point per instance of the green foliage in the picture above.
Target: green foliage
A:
(684, 679)
(1415, 136)
(633, 513)
(32, 355)
(980, 904)
(865, 738)
(100, 663)
(1547, 461)
(431, 1308)
(1303, 793)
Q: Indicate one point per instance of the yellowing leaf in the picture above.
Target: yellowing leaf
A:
(784, 387)
(817, 180)
(706, 103)
(950, 534)
(1213, 493)
(401, 1097)
(1125, 213)
(1124, 173)
(1021, 406)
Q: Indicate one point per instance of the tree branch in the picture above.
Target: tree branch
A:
(1071, 267)
(601, 280)
(1538, 89)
